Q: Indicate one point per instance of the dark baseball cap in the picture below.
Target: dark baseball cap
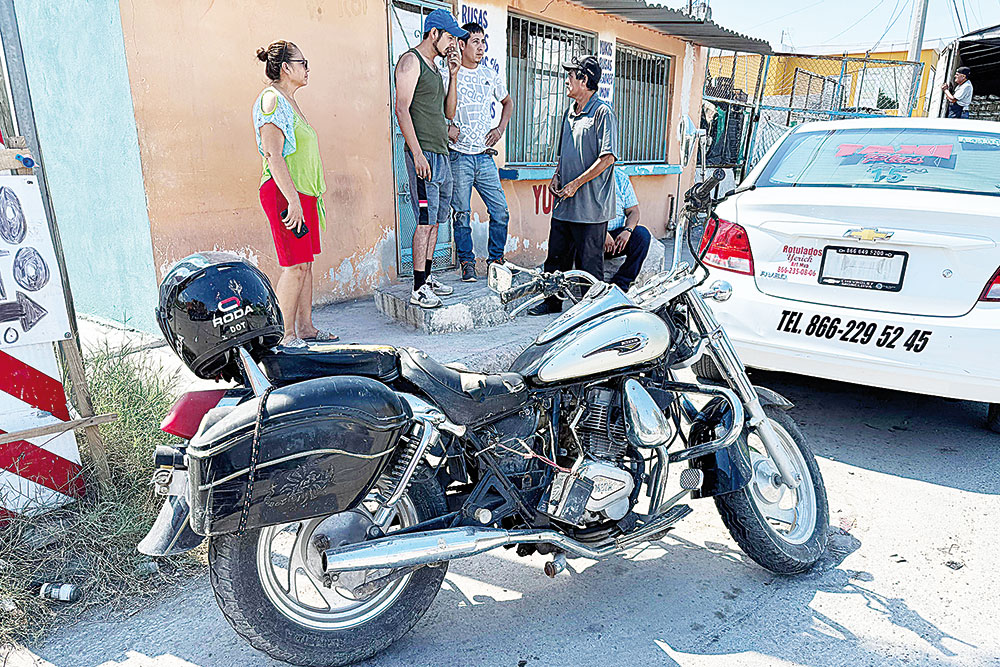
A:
(585, 64)
(443, 20)
(964, 70)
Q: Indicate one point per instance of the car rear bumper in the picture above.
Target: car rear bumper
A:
(958, 360)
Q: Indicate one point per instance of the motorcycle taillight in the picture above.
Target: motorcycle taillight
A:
(186, 414)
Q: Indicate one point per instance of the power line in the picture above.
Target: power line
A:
(866, 15)
(892, 22)
(794, 11)
(958, 16)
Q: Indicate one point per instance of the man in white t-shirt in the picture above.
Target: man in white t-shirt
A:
(959, 101)
(474, 131)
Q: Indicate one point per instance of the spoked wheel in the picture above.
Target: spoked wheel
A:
(782, 529)
(271, 587)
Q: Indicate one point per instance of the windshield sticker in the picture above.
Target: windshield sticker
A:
(980, 143)
(934, 155)
(893, 174)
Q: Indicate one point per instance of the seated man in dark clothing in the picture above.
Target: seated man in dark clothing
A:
(625, 235)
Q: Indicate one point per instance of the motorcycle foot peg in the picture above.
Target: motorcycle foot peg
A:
(691, 478)
(556, 565)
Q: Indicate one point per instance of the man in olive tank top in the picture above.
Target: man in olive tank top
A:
(423, 108)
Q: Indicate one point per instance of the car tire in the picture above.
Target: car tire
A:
(705, 369)
(993, 418)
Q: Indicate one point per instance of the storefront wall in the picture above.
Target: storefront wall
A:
(199, 158)
(194, 78)
(529, 201)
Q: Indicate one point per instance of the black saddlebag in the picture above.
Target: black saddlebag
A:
(288, 365)
(323, 444)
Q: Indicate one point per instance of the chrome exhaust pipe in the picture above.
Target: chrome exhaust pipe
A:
(416, 549)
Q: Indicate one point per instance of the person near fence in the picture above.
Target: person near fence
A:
(584, 182)
(423, 109)
(472, 135)
(625, 235)
(291, 187)
(959, 101)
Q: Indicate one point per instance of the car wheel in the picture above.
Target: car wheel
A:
(993, 418)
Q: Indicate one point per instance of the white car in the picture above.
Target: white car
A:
(866, 251)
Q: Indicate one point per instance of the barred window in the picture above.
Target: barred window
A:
(641, 102)
(536, 80)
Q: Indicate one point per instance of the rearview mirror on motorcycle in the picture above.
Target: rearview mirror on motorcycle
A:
(500, 278)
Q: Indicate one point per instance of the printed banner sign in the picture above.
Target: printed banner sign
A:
(32, 303)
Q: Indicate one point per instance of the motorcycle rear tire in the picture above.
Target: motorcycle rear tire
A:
(750, 528)
(241, 597)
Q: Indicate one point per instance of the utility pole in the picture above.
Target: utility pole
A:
(919, 20)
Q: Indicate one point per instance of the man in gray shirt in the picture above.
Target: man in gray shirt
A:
(584, 183)
(959, 101)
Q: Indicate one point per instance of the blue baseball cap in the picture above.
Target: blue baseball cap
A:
(443, 20)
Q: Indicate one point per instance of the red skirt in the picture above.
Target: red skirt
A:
(291, 250)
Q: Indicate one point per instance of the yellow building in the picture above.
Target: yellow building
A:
(880, 82)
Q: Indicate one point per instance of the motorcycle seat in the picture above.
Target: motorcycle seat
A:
(466, 398)
(285, 366)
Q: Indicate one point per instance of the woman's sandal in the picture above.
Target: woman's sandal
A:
(324, 337)
(293, 343)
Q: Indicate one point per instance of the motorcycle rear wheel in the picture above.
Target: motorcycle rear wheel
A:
(783, 530)
(274, 598)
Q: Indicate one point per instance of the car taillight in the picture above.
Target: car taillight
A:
(185, 416)
(729, 249)
(992, 290)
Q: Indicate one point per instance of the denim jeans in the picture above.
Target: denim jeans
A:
(430, 199)
(635, 252)
(480, 172)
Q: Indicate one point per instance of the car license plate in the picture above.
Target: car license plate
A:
(863, 268)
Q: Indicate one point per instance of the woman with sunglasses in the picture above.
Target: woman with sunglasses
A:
(292, 187)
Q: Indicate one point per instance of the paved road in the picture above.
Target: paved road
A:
(914, 481)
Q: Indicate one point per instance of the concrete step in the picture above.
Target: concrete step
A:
(473, 305)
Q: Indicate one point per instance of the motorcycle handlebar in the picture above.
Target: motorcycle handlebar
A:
(704, 189)
(515, 293)
(546, 284)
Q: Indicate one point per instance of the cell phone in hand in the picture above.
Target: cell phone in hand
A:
(303, 230)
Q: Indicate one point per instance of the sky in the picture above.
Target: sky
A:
(856, 25)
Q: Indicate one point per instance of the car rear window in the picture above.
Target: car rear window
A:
(900, 158)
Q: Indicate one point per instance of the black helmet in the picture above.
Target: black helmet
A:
(210, 304)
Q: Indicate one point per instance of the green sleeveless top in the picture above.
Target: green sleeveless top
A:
(300, 151)
(427, 109)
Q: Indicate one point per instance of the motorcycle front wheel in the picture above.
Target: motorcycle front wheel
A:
(269, 585)
(784, 530)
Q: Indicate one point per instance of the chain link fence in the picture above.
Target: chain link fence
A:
(781, 91)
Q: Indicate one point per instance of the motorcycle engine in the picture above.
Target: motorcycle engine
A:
(601, 486)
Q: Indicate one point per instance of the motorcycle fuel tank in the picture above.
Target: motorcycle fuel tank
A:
(614, 340)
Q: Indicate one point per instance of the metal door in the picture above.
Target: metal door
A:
(406, 30)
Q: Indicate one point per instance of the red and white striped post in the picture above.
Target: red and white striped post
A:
(43, 472)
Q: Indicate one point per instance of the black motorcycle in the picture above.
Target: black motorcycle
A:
(337, 482)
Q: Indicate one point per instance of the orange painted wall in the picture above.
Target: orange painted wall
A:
(194, 78)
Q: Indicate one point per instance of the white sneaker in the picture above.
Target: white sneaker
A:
(425, 297)
(438, 287)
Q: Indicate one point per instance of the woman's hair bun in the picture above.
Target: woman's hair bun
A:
(262, 54)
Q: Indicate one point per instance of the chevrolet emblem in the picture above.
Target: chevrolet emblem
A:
(867, 234)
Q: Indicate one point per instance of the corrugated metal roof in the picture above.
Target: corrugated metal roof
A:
(678, 24)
